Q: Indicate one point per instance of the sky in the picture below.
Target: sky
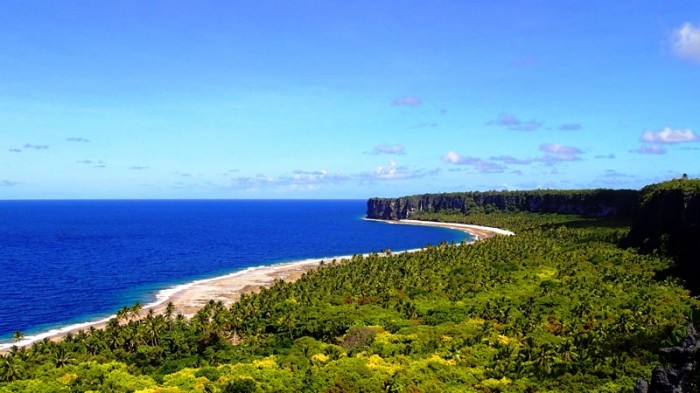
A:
(344, 99)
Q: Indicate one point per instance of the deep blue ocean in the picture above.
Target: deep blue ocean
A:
(65, 262)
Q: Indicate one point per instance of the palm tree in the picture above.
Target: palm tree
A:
(17, 336)
(136, 309)
(62, 357)
(123, 314)
(10, 369)
(169, 313)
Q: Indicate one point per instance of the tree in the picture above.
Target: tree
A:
(136, 309)
(10, 369)
(17, 336)
(243, 385)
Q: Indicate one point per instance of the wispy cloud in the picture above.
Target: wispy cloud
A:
(612, 178)
(685, 42)
(510, 160)
(670, 136)
(77, 139)
(605, 156)
(649, 149)
(393, 171)
(301, 180)
(9, 183)
(297, 179)
(35, 147)
(407, 101)
(95, 164)
(389, 149)
(312, 177)
(15, 150)
(555, 148)
(138, 168)
(570, 127)
(478, 164)
(611, 173)
(559, 153)
(425, 125)
(512, 122)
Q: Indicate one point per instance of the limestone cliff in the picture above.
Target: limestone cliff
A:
(668, 222)
(599, 202)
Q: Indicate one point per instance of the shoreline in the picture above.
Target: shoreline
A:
(189, 297)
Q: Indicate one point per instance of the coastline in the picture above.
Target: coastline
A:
(190, 297)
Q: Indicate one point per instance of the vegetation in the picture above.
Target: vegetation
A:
(557, 307)
(598, 202)
(684, 185)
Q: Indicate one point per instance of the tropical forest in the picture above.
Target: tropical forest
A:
(570, 303)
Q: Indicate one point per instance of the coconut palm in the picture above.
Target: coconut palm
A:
(17, 336)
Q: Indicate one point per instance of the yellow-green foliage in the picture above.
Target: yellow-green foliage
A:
(558, 307)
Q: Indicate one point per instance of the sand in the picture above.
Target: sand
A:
(190, 297)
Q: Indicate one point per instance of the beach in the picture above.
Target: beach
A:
(190, 297)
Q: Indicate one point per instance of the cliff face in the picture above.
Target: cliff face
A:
(583, 202)
(668, 220)
(667, 215)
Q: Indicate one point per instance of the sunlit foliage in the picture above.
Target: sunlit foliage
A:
(557, 307)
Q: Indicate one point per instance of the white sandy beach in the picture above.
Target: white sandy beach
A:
(190, 297)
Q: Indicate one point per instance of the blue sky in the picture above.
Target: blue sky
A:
(338, 99)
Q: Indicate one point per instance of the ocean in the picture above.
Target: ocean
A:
(68, 262)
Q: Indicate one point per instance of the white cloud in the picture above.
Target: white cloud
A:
(667, 135)
(478, 164)
(555, 148)
(559, 153)
(310, 180)
(393, 171)
(451, 157)
(686, 42)
(298, 179)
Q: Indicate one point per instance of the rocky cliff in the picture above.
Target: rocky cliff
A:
(681, 374)
(668, 215)
(668, 222)
(584, 202)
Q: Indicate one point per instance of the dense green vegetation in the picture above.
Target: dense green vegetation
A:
(558, 307)
(684, 185)
(598, 202)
